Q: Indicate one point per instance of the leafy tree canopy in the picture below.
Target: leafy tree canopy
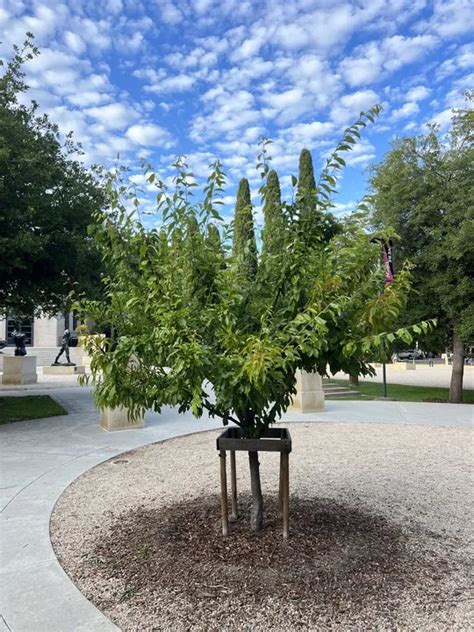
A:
(193, 333)
(47, 199)
(424, 188)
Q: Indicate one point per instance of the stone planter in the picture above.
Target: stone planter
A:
(273, 440)
(117, 419)
(19, 370)
(309, 396)
(404, 366)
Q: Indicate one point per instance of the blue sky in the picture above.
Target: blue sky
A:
(157, 78)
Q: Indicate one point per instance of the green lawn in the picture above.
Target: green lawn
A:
(401, 392)
(29, 407)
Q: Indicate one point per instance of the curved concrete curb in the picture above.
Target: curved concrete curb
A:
(41, 458)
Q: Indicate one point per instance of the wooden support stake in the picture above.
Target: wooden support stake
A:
(286, 494)
(280, 489)
(233, 482)
(225, 520)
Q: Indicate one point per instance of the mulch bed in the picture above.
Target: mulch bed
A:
(169, 568)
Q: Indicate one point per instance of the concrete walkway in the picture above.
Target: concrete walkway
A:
(40, 458)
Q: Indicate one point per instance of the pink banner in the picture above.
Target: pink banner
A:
(387, 260)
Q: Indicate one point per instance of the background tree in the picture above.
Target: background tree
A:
(424, 188)
(315, 218)
(273, 235)
(234, 348)
(244, 242)
(47, 199)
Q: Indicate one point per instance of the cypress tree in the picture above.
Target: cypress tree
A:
(306, 188)
(273, 237)
(306, 181)
(244, 243)
(314, 222)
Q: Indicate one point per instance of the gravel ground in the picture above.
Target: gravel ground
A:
(380, 526)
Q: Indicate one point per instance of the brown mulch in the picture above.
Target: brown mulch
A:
(169, 568)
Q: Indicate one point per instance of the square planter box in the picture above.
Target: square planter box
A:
(404, 366)
(117, 419)
(309, 397)
(19, 370)
(273, 440)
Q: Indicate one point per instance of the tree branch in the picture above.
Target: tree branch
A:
(214, 411)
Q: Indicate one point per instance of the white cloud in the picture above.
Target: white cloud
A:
(402, 50)
(362, 153)
(243, 76)
(358, 71)
(344, 208)
(370, 62)
(463, 60)
(252, 45)
(74, 42)
(304, 134)
(113, 115)
(291, 36)
(114, 6)
(408, 109)
(450, 18)
(197, 57)
(159, 82)
(88, 98)
(170, 13)
(283, 100)
(322, 28)
(418, 93)
(311, 86)
(349, 106)
(228, 113)
(149, 134)
(178, 83)
(443, 119)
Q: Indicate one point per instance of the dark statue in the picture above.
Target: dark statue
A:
(64, 349)
(19, 340)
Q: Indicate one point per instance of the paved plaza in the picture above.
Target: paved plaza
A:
(40, 458)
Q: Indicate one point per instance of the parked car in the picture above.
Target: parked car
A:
(3, 344)
(411, 354)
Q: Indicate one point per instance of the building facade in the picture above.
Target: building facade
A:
(43, 331)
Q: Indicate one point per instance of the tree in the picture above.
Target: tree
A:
(244, 243)
(424, 188)
(47, 199)
(273, 236)
(234, 348)
(314, 218)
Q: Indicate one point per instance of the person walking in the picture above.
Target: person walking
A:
(430, 358)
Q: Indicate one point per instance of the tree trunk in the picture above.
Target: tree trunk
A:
(354, 380)
(256, 519)
(457, 374)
